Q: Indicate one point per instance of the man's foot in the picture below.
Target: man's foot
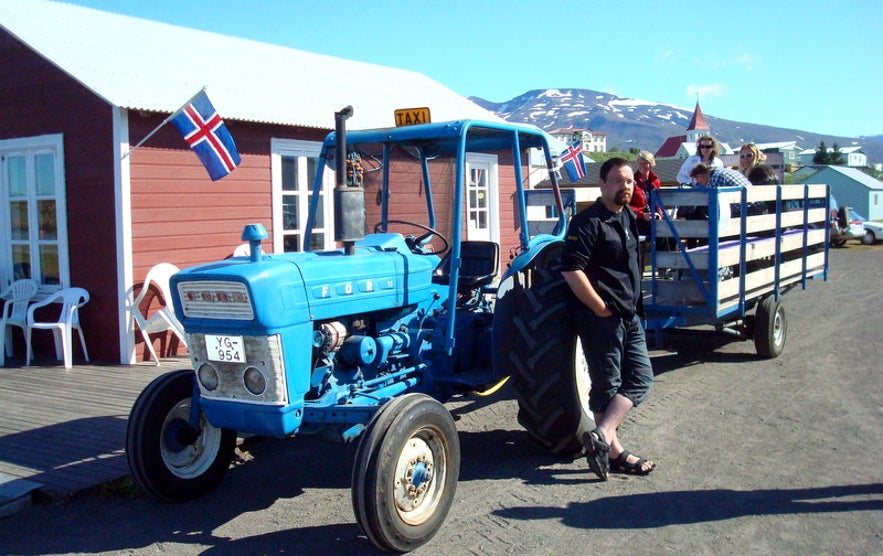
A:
(597, 452)
(631, 464)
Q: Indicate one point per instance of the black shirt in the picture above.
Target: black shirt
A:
(604, 245)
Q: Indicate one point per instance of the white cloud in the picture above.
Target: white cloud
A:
(744, 60)
(704, 91)
(664, 56)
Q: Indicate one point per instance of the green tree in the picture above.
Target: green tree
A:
(600, 158)
(836, 156)
(822, 156)
(873, 172)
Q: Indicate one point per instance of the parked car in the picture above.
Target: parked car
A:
(873, 232)
(844, 222)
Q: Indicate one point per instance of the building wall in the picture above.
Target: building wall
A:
(182, 217)
(39, 99)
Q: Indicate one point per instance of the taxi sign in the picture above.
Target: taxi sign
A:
(412, 116)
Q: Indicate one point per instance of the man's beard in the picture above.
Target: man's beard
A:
(623, 197)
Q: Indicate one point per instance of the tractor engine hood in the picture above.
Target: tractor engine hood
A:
(283, 290)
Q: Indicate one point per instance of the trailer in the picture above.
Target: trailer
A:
(731, 268)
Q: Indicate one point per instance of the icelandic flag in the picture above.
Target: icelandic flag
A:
(573, 161)
(208, 136)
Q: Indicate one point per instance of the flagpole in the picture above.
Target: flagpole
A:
(164, 122)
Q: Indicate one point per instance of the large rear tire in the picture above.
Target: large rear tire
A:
(405, 472)
(169, 459)
(547, 366)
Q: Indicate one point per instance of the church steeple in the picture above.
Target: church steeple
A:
(698, 126)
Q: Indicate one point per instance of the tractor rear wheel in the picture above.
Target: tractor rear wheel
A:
(405, 472)
(547, 366)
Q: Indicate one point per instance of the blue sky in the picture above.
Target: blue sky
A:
(807, 65)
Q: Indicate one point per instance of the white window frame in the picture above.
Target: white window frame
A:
(490, 162)
(30, 147)
(302, 150)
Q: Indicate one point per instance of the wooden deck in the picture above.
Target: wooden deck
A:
(65, 428)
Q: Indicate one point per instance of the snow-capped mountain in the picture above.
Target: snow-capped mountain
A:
(647, 124)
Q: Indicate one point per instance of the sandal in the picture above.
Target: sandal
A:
(621, 464)
(597, 453)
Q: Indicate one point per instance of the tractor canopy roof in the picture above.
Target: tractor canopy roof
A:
(448, 138)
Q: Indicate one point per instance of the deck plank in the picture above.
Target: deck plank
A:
(65, 428)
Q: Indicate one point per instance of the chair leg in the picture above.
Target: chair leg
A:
(5, 345)
(66, 348)
(28, 351)
(59, 344)
(147, 341)
(83, 344)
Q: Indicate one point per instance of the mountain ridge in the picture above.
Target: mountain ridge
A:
(643, 124)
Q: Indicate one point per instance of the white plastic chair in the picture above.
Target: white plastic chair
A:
(242, 250)
(15, 312)
(70, 299)
(163, 318)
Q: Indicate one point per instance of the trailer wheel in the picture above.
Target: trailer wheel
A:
(549, 372)
(169, 459)
(770, 328)
(405, 472)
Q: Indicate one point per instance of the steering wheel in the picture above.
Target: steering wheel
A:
(415, 244)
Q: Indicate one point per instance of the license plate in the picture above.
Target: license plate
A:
(226, 349)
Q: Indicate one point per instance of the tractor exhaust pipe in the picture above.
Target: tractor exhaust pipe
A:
(349, 199)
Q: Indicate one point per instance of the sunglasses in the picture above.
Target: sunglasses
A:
(705, 146)
(749, 155)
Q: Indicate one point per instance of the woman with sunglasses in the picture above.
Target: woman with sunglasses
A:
(750, 157)
(707, 151)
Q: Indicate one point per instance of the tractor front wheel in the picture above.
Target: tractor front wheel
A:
(405, 472)
(169, 458)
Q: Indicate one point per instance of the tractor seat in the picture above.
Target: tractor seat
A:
(479, 265)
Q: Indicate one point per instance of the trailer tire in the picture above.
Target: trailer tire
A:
(770, 328)
(549, 373)
(405, 472)
(168, 458)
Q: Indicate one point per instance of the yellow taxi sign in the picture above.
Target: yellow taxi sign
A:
(412, 116)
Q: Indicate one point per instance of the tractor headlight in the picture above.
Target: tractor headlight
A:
(255, 381)
(208, 377)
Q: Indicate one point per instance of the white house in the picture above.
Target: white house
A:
(852, 157)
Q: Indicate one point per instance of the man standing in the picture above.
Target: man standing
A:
(600, 264)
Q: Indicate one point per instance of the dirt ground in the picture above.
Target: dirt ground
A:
(754, 457)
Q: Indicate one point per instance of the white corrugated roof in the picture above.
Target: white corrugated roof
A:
(145, 65)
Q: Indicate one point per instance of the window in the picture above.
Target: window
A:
(33, 212)
(294, 166)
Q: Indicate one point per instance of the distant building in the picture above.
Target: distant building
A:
(853, 157)
(684, 146)
(853, 188)
(591, 141)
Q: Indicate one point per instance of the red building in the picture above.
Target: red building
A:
(83, 86)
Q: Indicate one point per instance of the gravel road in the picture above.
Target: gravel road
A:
(754, 457)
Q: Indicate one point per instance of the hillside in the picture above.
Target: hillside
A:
(646, 124)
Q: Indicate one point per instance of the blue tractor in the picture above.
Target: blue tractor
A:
(366, 342)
